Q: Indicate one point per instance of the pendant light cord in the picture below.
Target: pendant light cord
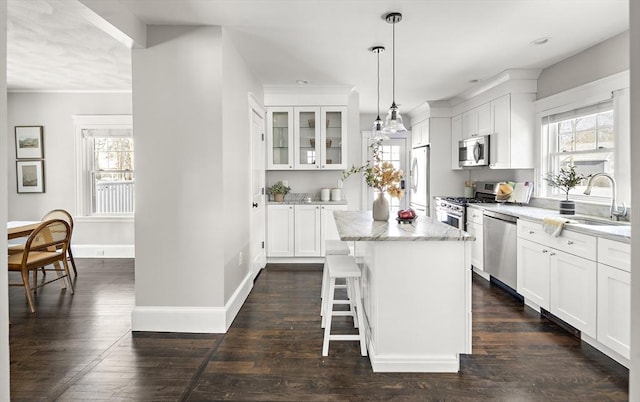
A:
(378, 52)
(393, 64)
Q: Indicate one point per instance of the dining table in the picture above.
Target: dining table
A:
(17, 229)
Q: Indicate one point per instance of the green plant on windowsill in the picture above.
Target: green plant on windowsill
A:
(565, 180)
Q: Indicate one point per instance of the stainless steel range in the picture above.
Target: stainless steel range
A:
(453, 210)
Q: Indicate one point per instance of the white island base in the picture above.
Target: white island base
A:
(416, 290)
(417, 304)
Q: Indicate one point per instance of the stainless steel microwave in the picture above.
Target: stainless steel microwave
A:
(474, 151)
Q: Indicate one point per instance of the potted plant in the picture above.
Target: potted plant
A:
(566, 180)
(279, 190)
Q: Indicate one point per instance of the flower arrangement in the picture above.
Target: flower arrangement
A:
(565, 180)
(382, 176)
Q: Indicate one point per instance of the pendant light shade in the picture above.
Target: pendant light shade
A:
(378, 124)
(393, 123)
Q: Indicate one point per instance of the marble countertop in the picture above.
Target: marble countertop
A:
(618, 231)
(307, 199)
(360, 226)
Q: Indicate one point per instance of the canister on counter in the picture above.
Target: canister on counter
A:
(325, 194)
(336, 194)
(469, 188)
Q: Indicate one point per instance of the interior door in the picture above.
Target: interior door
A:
(258, 233)
(394, 150)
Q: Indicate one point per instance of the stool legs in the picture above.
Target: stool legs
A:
(353, 283)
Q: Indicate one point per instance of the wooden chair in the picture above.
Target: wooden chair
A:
(65, 216)
(41, 250)
(53, 214)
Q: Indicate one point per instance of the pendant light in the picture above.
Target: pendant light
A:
(393, 122)
(378, 124)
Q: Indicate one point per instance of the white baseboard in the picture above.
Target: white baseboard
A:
(210, 320)
(103, 250)
(482, 274)
(412, 364)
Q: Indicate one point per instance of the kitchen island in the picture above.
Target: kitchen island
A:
(416, 290)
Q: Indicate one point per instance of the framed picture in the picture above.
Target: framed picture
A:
(30, 176)
(29, 142)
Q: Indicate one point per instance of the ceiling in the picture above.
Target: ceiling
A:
(441, 45)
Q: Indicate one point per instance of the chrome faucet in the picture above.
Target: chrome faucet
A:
(615, 210)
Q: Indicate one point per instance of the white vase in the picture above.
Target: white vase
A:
(380, 208)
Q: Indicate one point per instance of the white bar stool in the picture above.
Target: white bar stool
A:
(343, 266)
(331, 247)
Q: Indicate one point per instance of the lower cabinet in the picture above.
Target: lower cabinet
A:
(280, 228)
(533, 272)
(300, 230)
(475, 227)
(614, 309)
(573, 290)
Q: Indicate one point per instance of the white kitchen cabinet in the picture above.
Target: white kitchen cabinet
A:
(320, 137)
(280, 229)
(533, 272)
(573, 290)
(420, 134)
(306, 138)
(280, 138)
(328, 228)
(307, 231)
(614, 309)
(475, 227)
(456, 136)
(477, 121)
(511, 142)
(554, 274)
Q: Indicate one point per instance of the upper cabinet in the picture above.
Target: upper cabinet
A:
(456, 136)
(477, 121)
(306, 138)
(512, 118)
(420, 134)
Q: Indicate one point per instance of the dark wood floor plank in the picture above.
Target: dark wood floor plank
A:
(80, 348)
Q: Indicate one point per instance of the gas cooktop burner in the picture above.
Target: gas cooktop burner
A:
(466, 200)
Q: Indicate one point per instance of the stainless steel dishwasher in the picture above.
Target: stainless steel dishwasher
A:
(500, 247)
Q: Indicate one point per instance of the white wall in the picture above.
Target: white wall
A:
(236, 184)
(599, 61)
(55, 112)
(4, 293)
(192, 178)
(634, 372)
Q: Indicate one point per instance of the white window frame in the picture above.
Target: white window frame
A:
(83, 178)
(613, 87)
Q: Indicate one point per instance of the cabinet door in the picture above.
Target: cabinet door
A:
(307, 138)
(500, 142)
(573, 284)
(328, 228)
(533, 272)
(280, 227)
(484, 119)
(333, 138)
(280, 138)
(477, 254)
(307, 231)
(470, 123)
(456, 136)
(614, 309)
(416, 135)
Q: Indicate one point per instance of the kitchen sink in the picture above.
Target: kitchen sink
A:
(583, 220)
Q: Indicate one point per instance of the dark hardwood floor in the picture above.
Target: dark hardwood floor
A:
(80, 347)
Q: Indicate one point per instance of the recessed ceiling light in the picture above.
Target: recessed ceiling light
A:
(302, 82)
(473, 81)
(539, 41)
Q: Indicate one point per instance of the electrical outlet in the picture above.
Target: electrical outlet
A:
(240, 258)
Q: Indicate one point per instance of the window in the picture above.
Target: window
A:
(107, 180)
(585, 138)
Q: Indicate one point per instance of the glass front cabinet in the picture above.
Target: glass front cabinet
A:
(306, 138)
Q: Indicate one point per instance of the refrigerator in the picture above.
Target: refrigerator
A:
(419, 184)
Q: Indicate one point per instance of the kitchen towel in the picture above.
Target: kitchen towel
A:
(554, 226)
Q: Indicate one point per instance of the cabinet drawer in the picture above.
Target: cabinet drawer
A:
(615, 254)
(474, 215)
(570, 242)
